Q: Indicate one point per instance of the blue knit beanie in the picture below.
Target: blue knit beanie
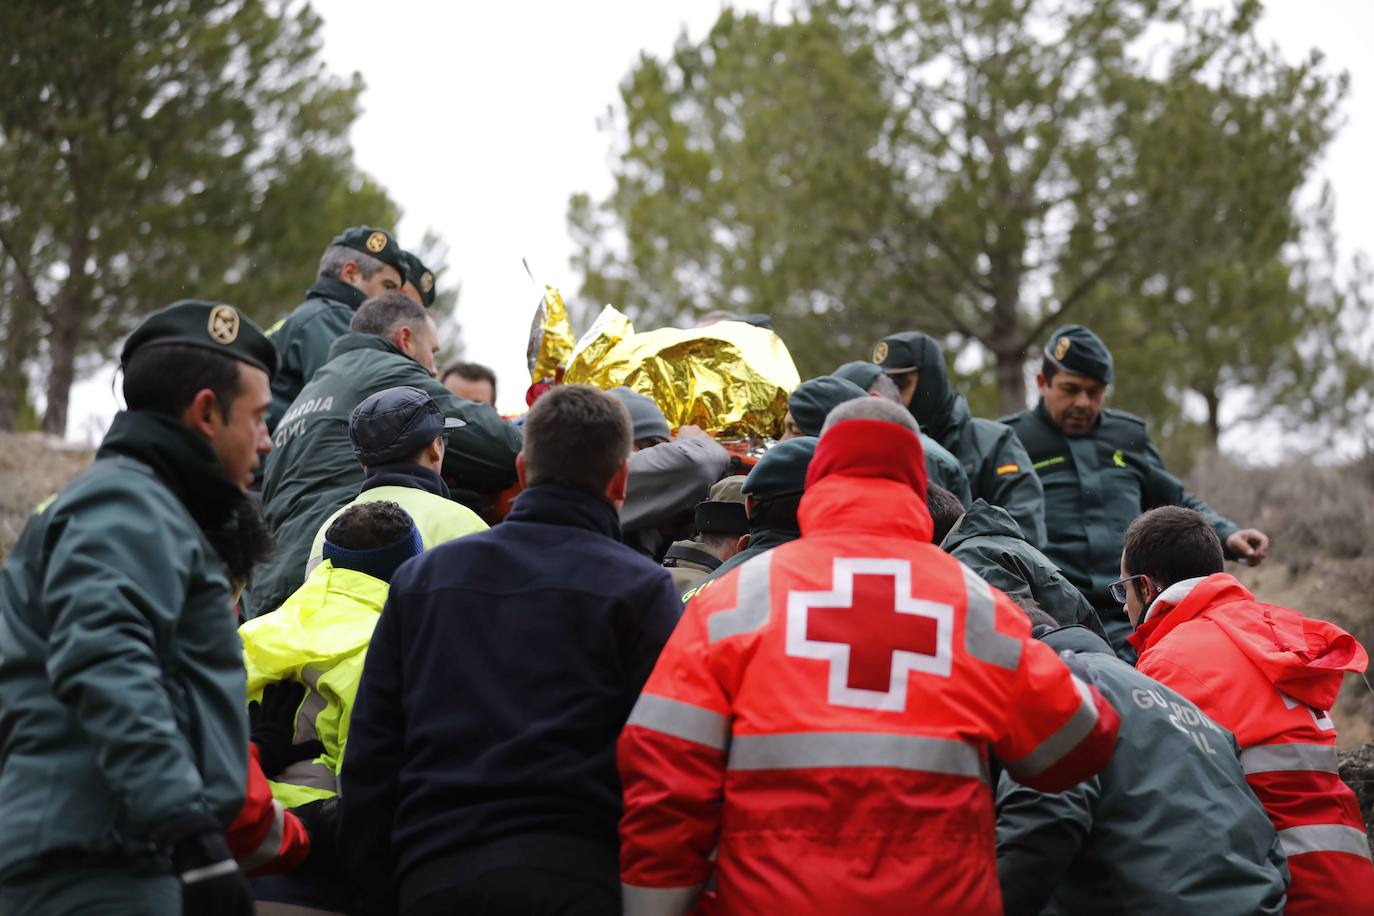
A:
(377, 562)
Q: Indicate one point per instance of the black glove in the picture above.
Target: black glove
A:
(321, 820)
(211, 882)
(272, 726)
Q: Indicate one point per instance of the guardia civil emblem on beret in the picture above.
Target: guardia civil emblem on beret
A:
(1061, 349)
(426, 282)
(376, 242)
(880, 351)
(224, 324)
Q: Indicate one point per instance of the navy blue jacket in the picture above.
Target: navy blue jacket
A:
(502, 669)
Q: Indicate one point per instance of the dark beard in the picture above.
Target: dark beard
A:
(242, 540)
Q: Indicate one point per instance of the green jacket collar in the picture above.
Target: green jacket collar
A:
(336, 290)
(982, 519)
(356, 340)
(180, 457)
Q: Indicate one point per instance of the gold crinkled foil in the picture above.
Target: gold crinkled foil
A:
(551, 338)
(731, 379)
(609, 329)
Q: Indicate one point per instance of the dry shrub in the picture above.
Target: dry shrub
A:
(32, 468)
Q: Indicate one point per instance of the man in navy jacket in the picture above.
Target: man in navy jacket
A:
(480, 766)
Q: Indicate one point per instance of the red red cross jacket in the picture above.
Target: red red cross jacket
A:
(1270, 675)
(265, 838)
(821, 716)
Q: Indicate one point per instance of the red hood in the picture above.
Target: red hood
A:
(867, 475)
(1302, 656)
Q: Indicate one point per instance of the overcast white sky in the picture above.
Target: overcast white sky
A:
(481, 120)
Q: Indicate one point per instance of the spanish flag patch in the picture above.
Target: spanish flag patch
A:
(1004, 469)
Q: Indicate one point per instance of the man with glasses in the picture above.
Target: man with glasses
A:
(1268, 674)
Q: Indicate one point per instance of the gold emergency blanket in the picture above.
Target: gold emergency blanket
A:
(731, 379)
(551, 338)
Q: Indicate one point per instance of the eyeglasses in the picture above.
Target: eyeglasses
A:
(1118, 588)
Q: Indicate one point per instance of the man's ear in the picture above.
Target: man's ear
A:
(404, 338)
(520, 469)
(1039, 380)
(615, 490)
(743, 542)
(203, 413)
(350, 274)
(435, 450)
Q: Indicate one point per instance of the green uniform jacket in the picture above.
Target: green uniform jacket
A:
(303, 340)
(997, 466)
(988, 541)
(1168, 827)
(1095, 486)
(312, 471)
(121, 680)
(944, 469)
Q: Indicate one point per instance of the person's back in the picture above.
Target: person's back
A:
(821, 717)
(1169, 826)
(522, 650)
(313, 472)
(987, 540)
(1271, 676)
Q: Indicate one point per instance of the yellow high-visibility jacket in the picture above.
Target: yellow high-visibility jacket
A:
(436, 518)
(318, 637)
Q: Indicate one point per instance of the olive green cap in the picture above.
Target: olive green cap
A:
(209, 325)
(420, 277)
(378, 243)
(782, 469)
(813, 400)
(1074, 348)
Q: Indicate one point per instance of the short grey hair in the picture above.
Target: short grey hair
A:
(336, 256)
(383, 315)
(871, 409)
(884, 387)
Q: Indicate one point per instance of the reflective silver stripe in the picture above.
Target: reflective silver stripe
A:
(981, 639)
(681, 720)
(309, 774)
(213, 870)
(811, 750)
(1056, 746)
(752, 601)
(1272, 758)
(311, 707)
(271, 844)
(657, 901)
(1324, 838)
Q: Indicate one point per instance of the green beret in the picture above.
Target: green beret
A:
(420, 277)
(782, 469)
(210, 325)
(378, 243)
(1073, 348)
(813, 400)
(860, 373)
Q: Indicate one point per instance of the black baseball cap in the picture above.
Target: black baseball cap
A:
(393, 425)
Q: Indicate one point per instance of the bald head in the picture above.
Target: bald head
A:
(871, 409)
